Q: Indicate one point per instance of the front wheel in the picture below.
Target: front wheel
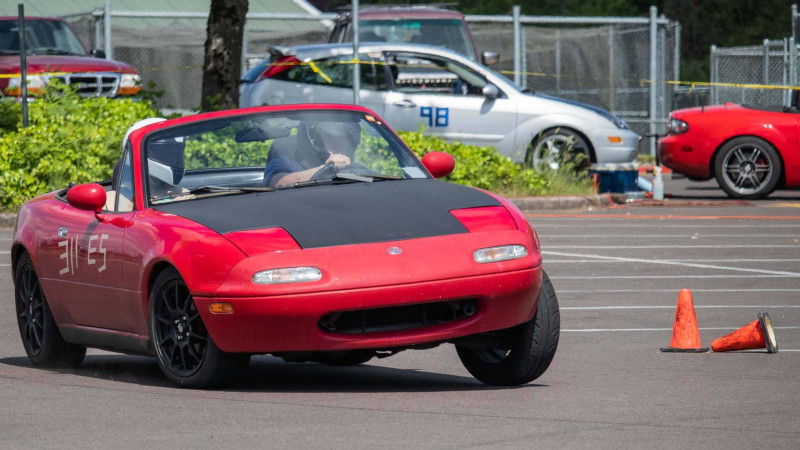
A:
(525, 351)
(185, 351)
(748, 168)
(551, 148)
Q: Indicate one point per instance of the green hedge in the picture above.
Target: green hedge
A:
(485, 168)
(69, 138)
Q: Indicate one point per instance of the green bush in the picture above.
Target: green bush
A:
(485, 168)
(69, 138)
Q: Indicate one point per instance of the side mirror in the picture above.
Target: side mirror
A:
(490, 58)
(95, 53)
(88, 197)
(439, 164)
(490, 91)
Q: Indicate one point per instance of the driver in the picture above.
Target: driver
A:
(317, 144)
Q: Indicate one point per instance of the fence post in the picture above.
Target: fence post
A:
(107, 30)
(676, 67)
(97, 16)
(517, 63)
(766, 68)
(244, 47)
(661, 107)
(523, 58)
(713, 77)
(356, 67)
(653, 76)
(794, 21)
(558, 61)
(611, 97)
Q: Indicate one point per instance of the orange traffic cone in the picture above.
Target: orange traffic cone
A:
(685, 334)
(756, 334)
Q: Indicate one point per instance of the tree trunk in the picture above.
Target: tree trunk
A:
(222, 65)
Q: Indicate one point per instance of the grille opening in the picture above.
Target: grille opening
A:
(92, 84)
(397, 317)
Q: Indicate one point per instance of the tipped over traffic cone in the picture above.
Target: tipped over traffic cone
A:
(685, 334)
(756, 334)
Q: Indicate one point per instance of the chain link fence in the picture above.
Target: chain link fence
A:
(762, 75)
(621, 64)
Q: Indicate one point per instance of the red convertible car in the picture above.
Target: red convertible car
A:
(308, 232)
(750, 150)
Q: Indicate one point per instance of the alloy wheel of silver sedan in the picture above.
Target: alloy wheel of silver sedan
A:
(748, 167)
(554, 146)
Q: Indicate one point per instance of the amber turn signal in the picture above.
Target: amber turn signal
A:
(615, 139)
(221, 308)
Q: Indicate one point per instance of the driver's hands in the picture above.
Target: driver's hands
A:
(338, 160)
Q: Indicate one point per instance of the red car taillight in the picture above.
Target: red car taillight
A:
(266, 240)
(487, 218)
(279, 65)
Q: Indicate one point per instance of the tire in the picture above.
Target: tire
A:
(526, 353)
(344, 358)
(552, 147)
(40, 336)
(748, 168)
(185, 351)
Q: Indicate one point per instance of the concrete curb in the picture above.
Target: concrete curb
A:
(532, 204)
(7, 220)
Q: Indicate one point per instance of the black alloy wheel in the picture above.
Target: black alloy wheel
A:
(748, 168)
(43, 343)
(185, 351)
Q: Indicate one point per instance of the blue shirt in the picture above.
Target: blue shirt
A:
(280, 166)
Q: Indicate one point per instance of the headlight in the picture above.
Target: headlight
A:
(676, 126)
(287, 275)
(129, 84)
(497, 254)
(36, 84)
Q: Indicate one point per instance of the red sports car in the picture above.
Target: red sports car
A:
(308, 232)
(751, 151)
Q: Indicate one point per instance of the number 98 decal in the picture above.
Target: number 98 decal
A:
(437, 117)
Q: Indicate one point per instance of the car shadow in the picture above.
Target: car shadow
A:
(270, 374)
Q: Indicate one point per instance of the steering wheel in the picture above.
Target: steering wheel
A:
(325, 173)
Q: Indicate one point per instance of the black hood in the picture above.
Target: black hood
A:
(328, 215)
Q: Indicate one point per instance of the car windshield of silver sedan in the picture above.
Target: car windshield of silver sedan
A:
(271, 151)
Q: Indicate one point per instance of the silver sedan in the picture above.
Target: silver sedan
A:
(425, 87)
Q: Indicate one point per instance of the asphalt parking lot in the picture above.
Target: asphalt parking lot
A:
(617, 273)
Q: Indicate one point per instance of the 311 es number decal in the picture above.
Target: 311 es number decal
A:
(437, 117)
(70, 254)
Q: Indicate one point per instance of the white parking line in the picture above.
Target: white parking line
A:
(593, 308)
(668, 262)
(664, 277)
(574, 261)
(5, 253)
(601, 330)
(648, 236)
(658, 225)
(617, 247)
(641, 290)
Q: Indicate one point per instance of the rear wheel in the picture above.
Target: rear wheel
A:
(748, 167)
(185, 351)
(40, 336)
(524, 352)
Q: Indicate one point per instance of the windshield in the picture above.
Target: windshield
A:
(41, 37)
(448, 33)
(272, 151)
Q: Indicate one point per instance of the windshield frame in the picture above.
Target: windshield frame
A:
(383, 130)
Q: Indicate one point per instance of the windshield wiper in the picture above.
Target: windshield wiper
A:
(212, 190)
